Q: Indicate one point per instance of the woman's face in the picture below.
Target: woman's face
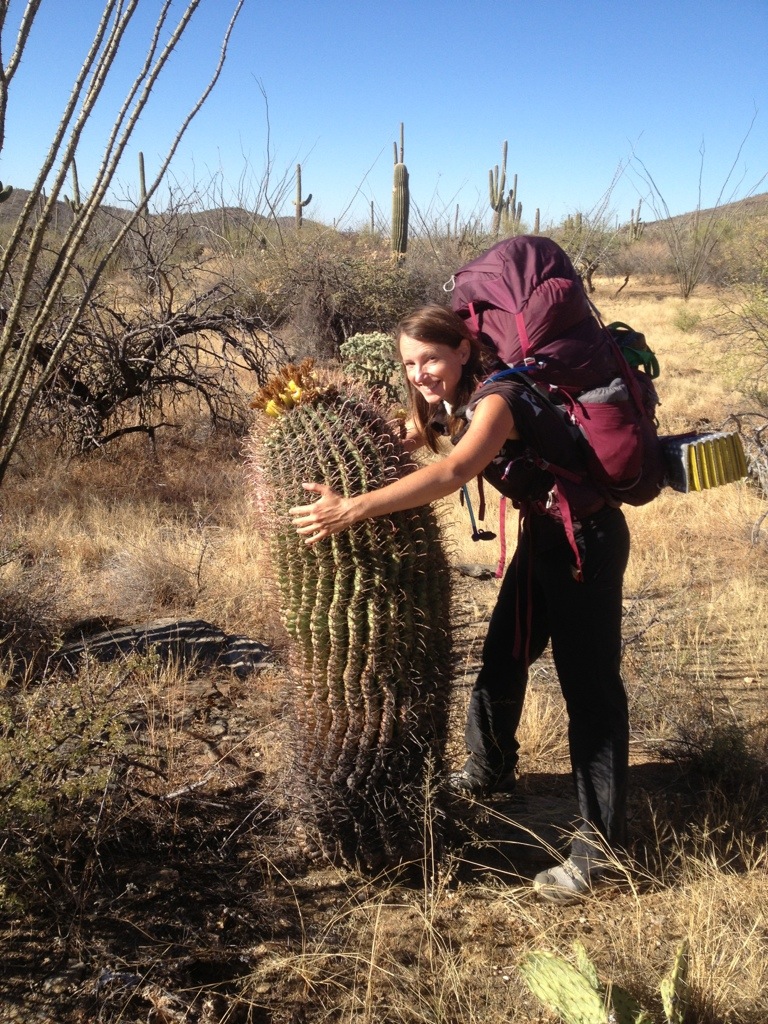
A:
(432, 368)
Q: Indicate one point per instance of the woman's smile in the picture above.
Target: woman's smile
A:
(433, 368)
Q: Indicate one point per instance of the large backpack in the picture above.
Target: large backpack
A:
(526, 301)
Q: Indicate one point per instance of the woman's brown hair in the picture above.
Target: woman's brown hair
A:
(440, 325)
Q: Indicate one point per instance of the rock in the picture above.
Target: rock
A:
(476, 571)
(185, 640)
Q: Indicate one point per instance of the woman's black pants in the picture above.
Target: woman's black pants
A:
(541, 601)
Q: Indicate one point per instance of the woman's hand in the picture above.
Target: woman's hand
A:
(330, 514)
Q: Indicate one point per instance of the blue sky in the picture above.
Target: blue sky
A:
(576, 88)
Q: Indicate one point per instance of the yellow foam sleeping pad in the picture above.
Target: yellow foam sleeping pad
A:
(696, 462)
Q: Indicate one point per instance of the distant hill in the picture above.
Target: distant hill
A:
(742, 211)
(232, 217)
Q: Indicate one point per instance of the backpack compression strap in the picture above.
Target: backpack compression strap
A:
(525, 344)
(474, 319)
(502, 538)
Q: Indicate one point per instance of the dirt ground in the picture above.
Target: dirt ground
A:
(200, 905)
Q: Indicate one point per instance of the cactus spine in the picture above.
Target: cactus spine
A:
(367, 611)
(577, 996)
(401, 201)
(298, 202)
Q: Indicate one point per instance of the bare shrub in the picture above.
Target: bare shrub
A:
(714, 746)
(36, 335)
(29, 610)
(164, 333)
(331, 286)
(695, 238)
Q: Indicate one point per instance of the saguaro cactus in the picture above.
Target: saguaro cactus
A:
(497, 182)
(368, 611)
(142, 181)
(5, 192)
(636, 225)
(298, 202)
(75, 203)
(401, 201)
(507, 210)
(144, 218)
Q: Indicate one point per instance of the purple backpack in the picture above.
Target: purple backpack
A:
(524, 299)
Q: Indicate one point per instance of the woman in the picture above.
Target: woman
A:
(564, 583)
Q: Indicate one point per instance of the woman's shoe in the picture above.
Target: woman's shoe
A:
(466, 783)
(565, 883)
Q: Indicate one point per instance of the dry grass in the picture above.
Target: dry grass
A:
(150, 833)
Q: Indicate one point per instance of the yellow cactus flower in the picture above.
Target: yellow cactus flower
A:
(272, 408)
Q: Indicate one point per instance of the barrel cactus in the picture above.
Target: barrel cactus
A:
(367, 611)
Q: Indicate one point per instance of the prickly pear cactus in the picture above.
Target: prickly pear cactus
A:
(674, 987)
(576, 994)
(564, 988)
(368, 612)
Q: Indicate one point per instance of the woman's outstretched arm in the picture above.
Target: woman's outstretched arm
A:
(491, 425)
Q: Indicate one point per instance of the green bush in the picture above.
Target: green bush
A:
(686, 320)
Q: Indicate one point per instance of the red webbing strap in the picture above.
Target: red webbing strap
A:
(525, 344)
(524, 525)
(473, 318)
(565, 511)
(502, 538)
(566, 474)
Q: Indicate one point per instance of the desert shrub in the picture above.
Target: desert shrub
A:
(27, 611)
(749, 323)
(648, 257)
(742, 329)
(330, 286)
(686, 320)
(718, 749)
(60, 741)
(736, 259)
(164, 334)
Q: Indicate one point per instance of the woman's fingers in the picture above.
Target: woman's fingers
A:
(308, 519)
